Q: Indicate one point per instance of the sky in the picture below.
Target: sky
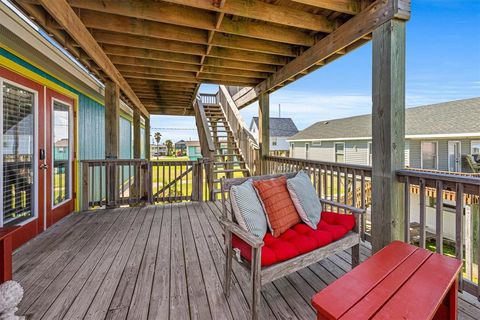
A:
(443, 63)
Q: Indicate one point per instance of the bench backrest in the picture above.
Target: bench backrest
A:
(227, 184)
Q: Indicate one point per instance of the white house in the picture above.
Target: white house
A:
(280, 130)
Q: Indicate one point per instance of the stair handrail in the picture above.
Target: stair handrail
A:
(202, 125)
(247, 144)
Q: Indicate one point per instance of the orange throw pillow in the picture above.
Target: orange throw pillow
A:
(281, 212)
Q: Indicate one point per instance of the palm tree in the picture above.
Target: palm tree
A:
(157, 136)
(169, 145)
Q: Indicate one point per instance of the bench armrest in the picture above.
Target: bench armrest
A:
(342, 206)
(249, 238)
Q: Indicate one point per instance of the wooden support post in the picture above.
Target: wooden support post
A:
(388, 132)
(136, 134)
(147, 138)
(264, 129)
(112, 113)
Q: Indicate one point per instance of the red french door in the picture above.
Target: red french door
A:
(59, 150)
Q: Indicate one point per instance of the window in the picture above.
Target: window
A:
(61, 152)
(317, 143)
(429, 155)
(291, 149)
(307, 149)
(340, 152)
(274, 141)
(370, 152)
(18, 159)
(476, 147)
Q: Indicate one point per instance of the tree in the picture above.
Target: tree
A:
(157, 136)
(169, 145)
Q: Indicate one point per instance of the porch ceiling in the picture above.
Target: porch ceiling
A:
(165, 49)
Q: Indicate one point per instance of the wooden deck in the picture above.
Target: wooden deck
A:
(158, 262)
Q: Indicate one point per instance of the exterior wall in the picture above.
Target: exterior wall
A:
(194, 152)
(415, 153)
(126, 139)
(282, 144)
(356, 152)
(88, 126)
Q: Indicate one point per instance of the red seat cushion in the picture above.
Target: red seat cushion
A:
(299, 239)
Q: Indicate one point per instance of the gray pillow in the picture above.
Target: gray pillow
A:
(305, 199)
(248, 209)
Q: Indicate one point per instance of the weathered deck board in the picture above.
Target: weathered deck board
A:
(163, 262)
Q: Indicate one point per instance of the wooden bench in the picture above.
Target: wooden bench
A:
(261, 275)
(400, 281)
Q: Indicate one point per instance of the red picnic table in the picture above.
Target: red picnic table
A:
(400, 281)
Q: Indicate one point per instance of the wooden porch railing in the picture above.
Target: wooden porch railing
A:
(340, 182)
(112, 183)
(246, 142)
(460, 197)
(206, 140)
(208, 98)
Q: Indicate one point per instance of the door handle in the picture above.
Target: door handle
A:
(44, 166)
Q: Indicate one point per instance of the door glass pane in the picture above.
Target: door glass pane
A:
(429, 155)
(18, 144)
(61, 152)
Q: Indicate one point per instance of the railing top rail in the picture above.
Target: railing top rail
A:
(471, 180)
(114, 160)
(367, 169)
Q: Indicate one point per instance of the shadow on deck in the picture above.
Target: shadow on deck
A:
(158, 262)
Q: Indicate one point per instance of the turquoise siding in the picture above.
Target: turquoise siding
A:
(142, 143)
(126, 145)
(91, 129)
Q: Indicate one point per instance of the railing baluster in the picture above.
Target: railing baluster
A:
(422, 242)
(439, 217)
(407, 210)
(339, 186)
(459, 229)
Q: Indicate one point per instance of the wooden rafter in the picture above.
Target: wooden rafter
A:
(66, 17)
(347, 34)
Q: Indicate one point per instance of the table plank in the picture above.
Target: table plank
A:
(378, 296)
(423, 293)
(333, 300)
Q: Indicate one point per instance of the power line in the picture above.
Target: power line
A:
(172, 129)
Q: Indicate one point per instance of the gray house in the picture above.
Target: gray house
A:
(438, 136)
(280, 130)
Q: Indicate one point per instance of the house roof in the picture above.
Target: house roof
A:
(460, 117)
(280, 127)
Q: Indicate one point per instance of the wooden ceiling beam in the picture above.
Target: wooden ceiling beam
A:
(67, 18)
(242, 65)
(149, 29)
(159, 71)
(151, 54)
(259, 10)
(207, 78)
(121, 39)
(345, 6)
(153, 63)
(344, 36)
(190, 17)
(234, 72)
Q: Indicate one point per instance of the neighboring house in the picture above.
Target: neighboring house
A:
(158, 150)
(437, 136)
(181, 147)
(193, 150)
(61, 150)
(280, 130)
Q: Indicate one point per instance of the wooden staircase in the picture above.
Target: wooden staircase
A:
(228, 159)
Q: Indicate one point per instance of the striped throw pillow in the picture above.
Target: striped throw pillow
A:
(247, 209)
(305, 199)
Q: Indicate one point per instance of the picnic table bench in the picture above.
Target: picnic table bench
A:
(400, 281)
